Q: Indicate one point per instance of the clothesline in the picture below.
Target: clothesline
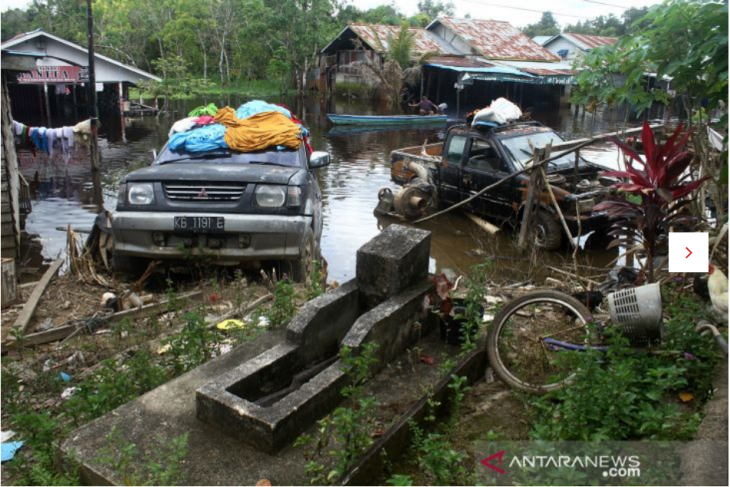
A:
(49, 139)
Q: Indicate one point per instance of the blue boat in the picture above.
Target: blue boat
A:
(385, 119)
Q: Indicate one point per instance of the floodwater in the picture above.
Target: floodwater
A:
(359, 167)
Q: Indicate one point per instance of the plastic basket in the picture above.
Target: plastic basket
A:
(638, 311)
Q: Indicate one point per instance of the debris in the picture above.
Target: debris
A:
(66, 305)
(24, 320)
(493, 299)
(224, 348)
(9, 449)
(164, 349)
(65, 377)
(6, 435)
(426, 359)
(47, 324)
(483, 224)
(263, 322)
(247, 309)
(214, 297)
(68, 392)
(686, 396)
(263, 483)
(230, 324)
(487, 318)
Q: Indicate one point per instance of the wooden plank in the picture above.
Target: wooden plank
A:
(24, 319)
(157, 307)
(483, 224)
(61, 332)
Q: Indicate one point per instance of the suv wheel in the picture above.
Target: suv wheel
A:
(125, 264)
(302, 267)
(546, 231)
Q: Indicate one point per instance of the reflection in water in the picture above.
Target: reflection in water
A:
(350, 184)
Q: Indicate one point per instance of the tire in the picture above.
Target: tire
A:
(546, 230)
(500, 363)
(302, 267)
(124, 264)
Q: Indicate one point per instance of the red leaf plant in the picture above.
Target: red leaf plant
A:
(663, 182)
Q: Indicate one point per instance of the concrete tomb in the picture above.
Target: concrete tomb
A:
(271, 399)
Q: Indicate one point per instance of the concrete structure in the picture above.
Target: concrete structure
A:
(56, 87)
(573, 47)
(253, 441)
(273, 398)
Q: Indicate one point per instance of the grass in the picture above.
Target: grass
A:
(31, 392)
(246, 89)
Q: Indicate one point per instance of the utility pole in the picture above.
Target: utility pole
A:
(93, 113)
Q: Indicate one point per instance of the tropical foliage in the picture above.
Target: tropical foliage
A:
(654, 195)
(685, 43)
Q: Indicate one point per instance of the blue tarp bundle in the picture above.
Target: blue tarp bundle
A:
(257, 106)
(202, 139)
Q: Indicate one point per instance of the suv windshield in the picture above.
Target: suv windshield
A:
(520, 147)
(286, 157)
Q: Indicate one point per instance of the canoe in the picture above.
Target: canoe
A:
(385, 119)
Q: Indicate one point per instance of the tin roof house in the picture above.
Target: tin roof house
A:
(572, 47)
(483, 58)
(59, 77)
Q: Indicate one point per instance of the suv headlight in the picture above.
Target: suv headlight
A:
(141, 193)
(270, 196)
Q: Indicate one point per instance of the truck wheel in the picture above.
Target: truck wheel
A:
(546, 231)
(125, 264)
(302, 267)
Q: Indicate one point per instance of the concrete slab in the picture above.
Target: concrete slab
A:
(218, 459)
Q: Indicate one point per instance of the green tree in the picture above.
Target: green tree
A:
(547, 26)
(685, 42)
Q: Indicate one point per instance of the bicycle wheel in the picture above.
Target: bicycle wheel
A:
(515, 344)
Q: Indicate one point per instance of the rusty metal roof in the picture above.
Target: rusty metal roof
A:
(496, 40)
(586, 42)
(459, 62)
(376, 36)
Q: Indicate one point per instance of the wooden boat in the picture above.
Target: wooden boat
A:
(385, 119)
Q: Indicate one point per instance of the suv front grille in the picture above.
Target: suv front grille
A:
(203, 192)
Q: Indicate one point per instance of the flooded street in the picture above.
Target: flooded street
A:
(359, 167)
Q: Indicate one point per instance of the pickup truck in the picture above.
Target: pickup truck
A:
(228, 207)
(470, 159)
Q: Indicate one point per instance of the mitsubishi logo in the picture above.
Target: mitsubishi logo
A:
(203, 193)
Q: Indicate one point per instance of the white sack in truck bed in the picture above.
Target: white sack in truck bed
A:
(501, 111)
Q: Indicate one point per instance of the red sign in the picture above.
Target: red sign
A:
(52, 74)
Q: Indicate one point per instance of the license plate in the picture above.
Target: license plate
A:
(200, 224)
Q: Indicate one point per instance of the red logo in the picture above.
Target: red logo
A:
(203, 193)
(499, 455)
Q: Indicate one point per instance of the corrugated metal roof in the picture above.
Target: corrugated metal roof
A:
(541, 69)
(458, 62)
(542, 39)
(422, 41)
(496, 40)
(589, 42)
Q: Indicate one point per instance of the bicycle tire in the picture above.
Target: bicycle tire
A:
(503, 316)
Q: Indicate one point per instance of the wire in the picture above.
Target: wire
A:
(607, 4)
(523, 9)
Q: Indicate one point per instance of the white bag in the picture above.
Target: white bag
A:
(501, 111)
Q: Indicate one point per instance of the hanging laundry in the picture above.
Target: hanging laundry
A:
(257, 106)
(202, 139)
(182, 125)
(209, 109)
(259, 132)
(38, 136)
